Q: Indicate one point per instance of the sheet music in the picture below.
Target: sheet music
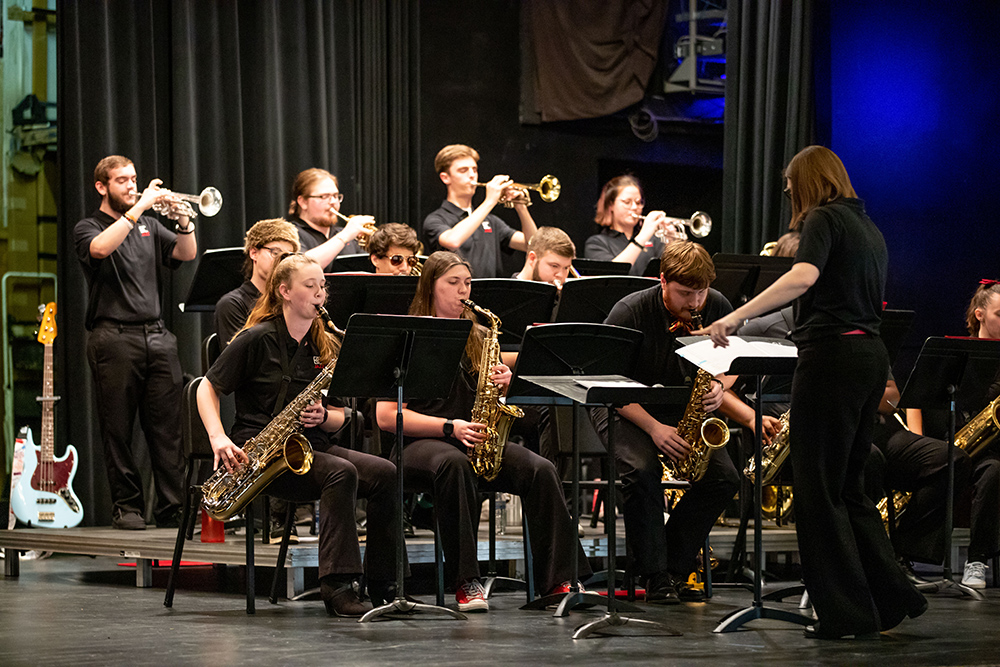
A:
(717, 360)
(620, 384)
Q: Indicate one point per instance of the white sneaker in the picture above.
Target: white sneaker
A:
(472, 597)
(975, 575)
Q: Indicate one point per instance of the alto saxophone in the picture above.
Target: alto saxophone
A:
(772, 456)
(279, 447)
(490, 409)
(982, 430)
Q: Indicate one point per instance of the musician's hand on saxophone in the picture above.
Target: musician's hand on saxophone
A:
(469, 433)
(500, 376)
(313, 415)
(231, 456)
(713, 397)
(667, 441)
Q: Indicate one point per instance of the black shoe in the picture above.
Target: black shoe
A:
(661, 589)
(127, 520)
(341, 599)
(384, 592)
(278, 529)
(816, 631)
(911, 576)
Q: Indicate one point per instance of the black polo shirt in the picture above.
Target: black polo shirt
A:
(310, 238)
(125, 285)
(252, 366)
(233, 309)
(457, 405)
(482, 249)
(644, 310)
(608, 244)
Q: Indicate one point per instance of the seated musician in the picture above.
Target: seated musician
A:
(618, 211)
(314, 209)
(982, 321)
(440, 438)
(284, 337)
(265, 242)
(393, 249)
(476, 234)
(666, 555)
(550, 256)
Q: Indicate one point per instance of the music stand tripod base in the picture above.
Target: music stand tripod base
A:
(613, 620)
(403, 606)
(566, 602)
(736, 619)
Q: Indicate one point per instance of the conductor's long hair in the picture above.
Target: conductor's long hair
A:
(270, 305)
(438, 264)
(818, 177)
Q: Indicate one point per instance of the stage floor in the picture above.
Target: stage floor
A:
(86, 611)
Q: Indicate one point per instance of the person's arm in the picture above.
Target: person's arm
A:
(915, 420)
(745, 416)
(107, 242)
(327, 251)
(645, 235)
(327, 419)
(664, 437)
(186, 247)
(528, 228)
(419, 425)
(890, 398)
(225, 451)
(452, 239)
(790, 286)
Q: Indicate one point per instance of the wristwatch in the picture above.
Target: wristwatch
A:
(448, 428)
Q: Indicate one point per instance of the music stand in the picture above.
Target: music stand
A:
(759, 367)
(368, 293)
(591, 299)
(933, 383)
(395, 356)
(518, 304)
(612, 392)
(600, 267)
(220, 270)
(357, 262)
(740, 277)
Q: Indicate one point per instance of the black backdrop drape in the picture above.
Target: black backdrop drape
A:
(238, 95)
(769, 115)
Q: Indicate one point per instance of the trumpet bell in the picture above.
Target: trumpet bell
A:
(701, 224)
(209, 202)
(549, 188)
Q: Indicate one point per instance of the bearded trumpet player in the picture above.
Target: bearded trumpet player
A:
(269, 364)
(442, 435)
(666, 554)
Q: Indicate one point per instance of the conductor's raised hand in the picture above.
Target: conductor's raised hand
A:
(720, 330)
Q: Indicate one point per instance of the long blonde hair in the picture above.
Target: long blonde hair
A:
(438, 264)
(270, 304)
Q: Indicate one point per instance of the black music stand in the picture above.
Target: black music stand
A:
(591, 299)
(220, 270)
(759, 367)
(518, 304)
(934, 381)
(358, 262)
(600, 267)
(611, 397)
(741, 277)
(559, 350)
(394, 356)
(368, 293)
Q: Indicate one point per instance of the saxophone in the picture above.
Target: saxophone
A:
(279, 447)
(773, 455)
(702, 432)
(489, 409)
(981, 431)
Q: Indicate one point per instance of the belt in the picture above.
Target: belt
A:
(151, 326)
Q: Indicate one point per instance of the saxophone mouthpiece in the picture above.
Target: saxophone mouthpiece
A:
(327, 320)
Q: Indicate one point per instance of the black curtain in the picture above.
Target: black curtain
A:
(238, 95)
(769, 115)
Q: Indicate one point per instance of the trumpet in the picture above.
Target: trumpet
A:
(699, 225)
(548, 189)
(364, 234)
(175, 204)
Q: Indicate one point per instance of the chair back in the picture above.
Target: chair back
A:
(211, 348)
(193, 433)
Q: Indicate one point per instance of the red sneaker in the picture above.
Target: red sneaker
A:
(471, 596)
(564, 587)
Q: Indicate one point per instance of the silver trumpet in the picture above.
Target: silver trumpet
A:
(173, 205)
(699, 225)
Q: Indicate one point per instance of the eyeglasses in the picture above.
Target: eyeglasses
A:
(396, 260)
(275, 252)
(788, 192)
(335, 196)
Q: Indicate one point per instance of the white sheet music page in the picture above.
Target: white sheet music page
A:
(717, 360)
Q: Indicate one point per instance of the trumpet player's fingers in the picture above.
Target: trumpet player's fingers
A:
(151, 194)
(357, 224)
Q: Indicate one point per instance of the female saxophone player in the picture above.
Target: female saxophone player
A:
(277, 354)
(436, 450)
(838, 279)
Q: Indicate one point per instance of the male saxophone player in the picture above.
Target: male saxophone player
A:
(132, 356)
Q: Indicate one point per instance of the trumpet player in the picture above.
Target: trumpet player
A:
(133, 357)
(619, 210)
(475, 233)
(314, 208)
(393, 249)
(666, 554)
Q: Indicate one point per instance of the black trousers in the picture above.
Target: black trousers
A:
(919, 464)
(848, 564)
(672, 547)
(984, 529)
(338, 477)
(445, 470)
(136, 370)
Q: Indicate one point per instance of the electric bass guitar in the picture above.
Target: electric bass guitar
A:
(44, 497)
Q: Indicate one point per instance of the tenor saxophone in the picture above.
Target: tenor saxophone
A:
(702, 432)
(487, 456)
(279, 447)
